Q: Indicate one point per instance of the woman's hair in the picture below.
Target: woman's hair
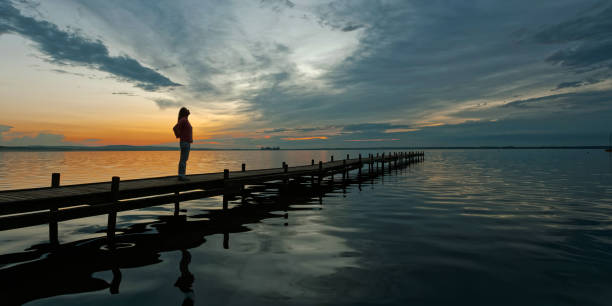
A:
(184, 112)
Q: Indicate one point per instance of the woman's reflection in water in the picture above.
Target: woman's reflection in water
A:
(185, 281)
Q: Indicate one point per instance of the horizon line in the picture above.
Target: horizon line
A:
(170, 148)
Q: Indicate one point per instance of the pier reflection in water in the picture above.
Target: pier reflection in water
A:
(48, 270)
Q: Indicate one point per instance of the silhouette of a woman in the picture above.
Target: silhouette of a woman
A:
(185, 281)
(183, 130)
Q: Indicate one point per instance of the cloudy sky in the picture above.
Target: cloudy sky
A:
(306, 73)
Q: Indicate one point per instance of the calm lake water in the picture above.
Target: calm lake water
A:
(473, 227)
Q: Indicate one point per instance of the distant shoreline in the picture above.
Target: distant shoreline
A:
(163, 148)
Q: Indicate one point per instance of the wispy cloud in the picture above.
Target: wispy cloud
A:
(166, 103)
(71, 48)
(124, 93)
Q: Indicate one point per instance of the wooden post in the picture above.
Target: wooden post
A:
(373, 163)
(176, 203)
(399, 158)
(312, 176)
(395, 159)
(55, 180)
(226, 240)
(320, 172)
(225, 200)
(243, 167)
(114, 285)
(344, 170)
(285, 179)
(332, 158)
(112, 216)
(347, 157)
(225, 186)
(53, 229)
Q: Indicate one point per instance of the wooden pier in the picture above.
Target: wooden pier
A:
(50, 205)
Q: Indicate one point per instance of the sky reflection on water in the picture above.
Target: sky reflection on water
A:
(476, 227)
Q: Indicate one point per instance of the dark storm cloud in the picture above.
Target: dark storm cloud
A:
(570, 101)
(592, 35)
(73, 49)
(565, 128)
(416, 57)
(587, 55)
(576, 84)
(593, 24)
(570, 84)
(421, 56)
(541, 109)
(543, 101)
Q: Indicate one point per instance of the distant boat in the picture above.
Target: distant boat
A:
(609, 149)
(269, 148)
